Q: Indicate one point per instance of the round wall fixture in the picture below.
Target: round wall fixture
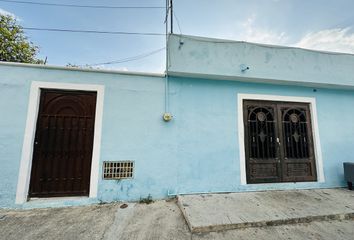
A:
(167, 117)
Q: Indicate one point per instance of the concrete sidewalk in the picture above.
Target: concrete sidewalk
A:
(218, 212)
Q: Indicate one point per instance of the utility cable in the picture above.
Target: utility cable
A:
(129, 59)
(177, 20)
(81, 6)
(92, 31)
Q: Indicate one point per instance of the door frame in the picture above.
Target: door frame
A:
(30, 130)
(315, 132)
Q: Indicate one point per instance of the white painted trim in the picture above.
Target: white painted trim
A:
(314, 122)
(32, 114)
(94, 70)
(239, 78)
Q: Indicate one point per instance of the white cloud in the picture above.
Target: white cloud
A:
(250, 33)
(4, 12)
(336, 39)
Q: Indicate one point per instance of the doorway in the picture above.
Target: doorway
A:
(278, 142)
(63, 145)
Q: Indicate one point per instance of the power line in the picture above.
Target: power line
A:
(129, 59)
(92, 31)
(82, 6)
(179, 26)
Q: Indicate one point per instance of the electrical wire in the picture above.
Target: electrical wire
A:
(129, 59)
(179, 26)
(92, 31)
(82, 6)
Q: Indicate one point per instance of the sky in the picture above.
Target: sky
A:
(313, 24)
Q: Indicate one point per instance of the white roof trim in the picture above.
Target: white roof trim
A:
(53, 67)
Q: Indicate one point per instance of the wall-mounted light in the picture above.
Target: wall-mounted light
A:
(181, 42)
(244, 68)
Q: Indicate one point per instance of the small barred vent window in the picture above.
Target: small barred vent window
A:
(118, 170)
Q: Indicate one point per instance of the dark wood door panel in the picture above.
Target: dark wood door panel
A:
(298, 150)
(261, 145)
(63, 144)
(264, 172)
(299, 171)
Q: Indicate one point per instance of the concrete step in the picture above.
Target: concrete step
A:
(218, 212)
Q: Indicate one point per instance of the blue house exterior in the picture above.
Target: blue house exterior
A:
(202, 149)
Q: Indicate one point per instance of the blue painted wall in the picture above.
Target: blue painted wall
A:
(208, 148)
(225, 59)
(198, 151)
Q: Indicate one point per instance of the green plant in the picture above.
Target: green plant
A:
(146, 200)
(14, 45)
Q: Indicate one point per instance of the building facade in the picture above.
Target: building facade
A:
(246, 117)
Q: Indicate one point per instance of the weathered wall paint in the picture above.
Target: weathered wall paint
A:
(198, 151)
(132, 130)
(208, 147)
(223, 59)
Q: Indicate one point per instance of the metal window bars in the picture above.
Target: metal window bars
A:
(118, 170)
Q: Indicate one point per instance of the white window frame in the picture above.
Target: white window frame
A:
(28, 142)
(315, 132)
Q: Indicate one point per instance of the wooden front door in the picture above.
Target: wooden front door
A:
(278, 142)
(62, 154)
